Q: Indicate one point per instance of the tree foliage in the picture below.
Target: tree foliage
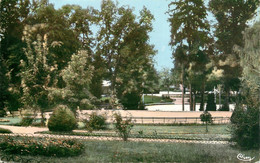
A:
(232, 18)
(245, 118)
(77, 77)
(249, 60)
(36, 70)
(189, 35)
(123, 45)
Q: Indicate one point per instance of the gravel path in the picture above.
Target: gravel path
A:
(32, 132)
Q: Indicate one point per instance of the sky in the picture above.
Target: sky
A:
(160, 36)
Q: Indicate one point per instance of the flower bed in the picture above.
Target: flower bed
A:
(40, 146)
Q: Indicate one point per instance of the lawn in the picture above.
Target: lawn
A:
(155, 99)
(12, 120)
(193, 132)
(185, 129)
(118, 151)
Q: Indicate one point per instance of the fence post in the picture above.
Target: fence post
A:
(164, 120)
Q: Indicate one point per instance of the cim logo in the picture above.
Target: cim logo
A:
(243, 157)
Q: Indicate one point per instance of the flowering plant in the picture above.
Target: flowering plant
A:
(123, 127)
(41, 146)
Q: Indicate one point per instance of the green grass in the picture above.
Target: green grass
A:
(193, 129)
(155, 99)
(216, 132)
(12, 120)
(118, 151)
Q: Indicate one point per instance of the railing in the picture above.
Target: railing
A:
(177, 120)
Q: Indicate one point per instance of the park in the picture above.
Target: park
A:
(129, 81)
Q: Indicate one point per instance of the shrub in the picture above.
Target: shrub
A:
(96, 122)
(224, 107)
(123, 127)
(245, 126)
(131, 101)
(2, 113)
(41, 146)
(211, 105)
(5, 131)
(26, 121)
(206, 117)
(62, 119)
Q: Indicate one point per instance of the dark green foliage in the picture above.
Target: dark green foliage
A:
(131, 101)
(123, 127)
(211, 105)
(190, 33)
(77, 77)
(232, 19)
(43, 146)
(2, 113)
(26, 121)
(62, 119)
(3, 88)
(96, 122)
(5, 131)
(245, 126)
(206, 117)
(224, 107)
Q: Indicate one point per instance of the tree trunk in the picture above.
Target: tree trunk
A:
(207, 127)
(194, 101)
(191, 100)
(202, 96)
(183, 88)
(227, 98)
(42, 118)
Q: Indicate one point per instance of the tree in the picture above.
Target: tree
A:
(136, 60)
(97, 79)
(189, 32)
(245, 118)
(77, 77)
(249, 60)
(36, 71)
(122, 42)
(166, 79)
(232, 18)
(211, 105)
(151, 84)
(13, 13)
(3, 88)
(206, 117)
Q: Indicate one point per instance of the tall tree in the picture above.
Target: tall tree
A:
(136, 60)
(3, 87)
(245, 118)
(189, 31)
(36, 71)
(249, 61)
(122, 42)
(232, 18)
(12, 20)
